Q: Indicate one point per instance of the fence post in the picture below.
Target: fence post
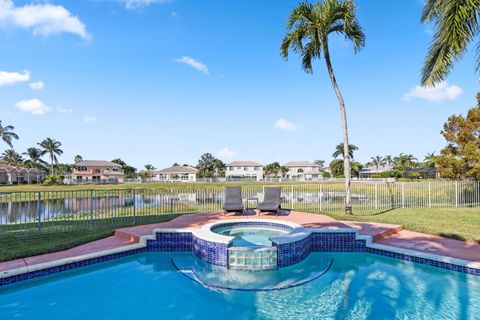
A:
(376, 196)
(291, 198)
(321, 197)
(134, 208)
(429, 194)
(91, 208)
(456, 194)
(403, 195)
(39, 212)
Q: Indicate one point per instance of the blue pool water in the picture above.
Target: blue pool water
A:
(246, 236)
(148, 286)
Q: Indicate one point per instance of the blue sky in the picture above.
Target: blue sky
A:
(165, 81)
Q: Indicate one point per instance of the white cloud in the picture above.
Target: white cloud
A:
(441, 92)
(64, 110)
(197, 65)
(135, 4)
(39, 85)
(285, 125)
(226, 153)
(89, 119)
(34, 106)
(9, 78)
(42, 18)
(173, 14)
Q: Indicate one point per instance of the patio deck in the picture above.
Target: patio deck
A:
(385, 234)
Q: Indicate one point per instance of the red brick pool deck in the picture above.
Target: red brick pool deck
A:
(385, 234)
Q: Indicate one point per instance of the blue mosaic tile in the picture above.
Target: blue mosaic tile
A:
(211, 252)
(171, 242)
(293, 252)
(65, 267)
(337, 242)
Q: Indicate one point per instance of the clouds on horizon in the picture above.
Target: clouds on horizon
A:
(440, 93)
(42, 18)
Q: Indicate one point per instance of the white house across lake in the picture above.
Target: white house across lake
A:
(302, 171)
(244, 170)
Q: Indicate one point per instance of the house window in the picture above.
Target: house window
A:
(245, 168)
(184, 176)
(115, 169)
(256, 168)
(96, 170)
(230, 168)
(300, 170)
(82, 168)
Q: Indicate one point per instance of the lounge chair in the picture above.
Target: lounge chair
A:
(233, 200)
(271, 200)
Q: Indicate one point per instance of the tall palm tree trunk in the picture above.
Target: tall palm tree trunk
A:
(343, 111)
(51, 165)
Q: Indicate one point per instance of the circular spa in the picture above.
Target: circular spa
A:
(246, 245)
(251, 235)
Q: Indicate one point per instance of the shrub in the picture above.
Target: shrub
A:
(53, 180)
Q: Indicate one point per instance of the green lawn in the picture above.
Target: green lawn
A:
(21, 247)
(462, 224)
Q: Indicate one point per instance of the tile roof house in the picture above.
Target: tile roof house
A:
(176, 173)
(303, 171)
(97, 171)
(370, 171)
(19, 175)
(244, 170)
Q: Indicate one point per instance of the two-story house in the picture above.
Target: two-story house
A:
(303, 171)
(244, 170)
(97, 171)
(176, 173)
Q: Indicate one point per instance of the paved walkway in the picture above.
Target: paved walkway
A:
(386, 234)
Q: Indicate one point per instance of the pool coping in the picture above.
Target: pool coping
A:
(142, 244)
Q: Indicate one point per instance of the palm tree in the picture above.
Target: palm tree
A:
(430, 159)
(12, 158)
(339, 150)
(150, 167)
(456, 25)
(378, 161)
(404, 161)
(388, 160)
(219, 168)
(34, 158)
(52, 148)
(7, 134)
(309, 26)
(320, 163)
(78, 158)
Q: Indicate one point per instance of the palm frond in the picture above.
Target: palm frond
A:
(456, 24)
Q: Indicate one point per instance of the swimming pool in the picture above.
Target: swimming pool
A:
(247, 236)
(154, 285)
